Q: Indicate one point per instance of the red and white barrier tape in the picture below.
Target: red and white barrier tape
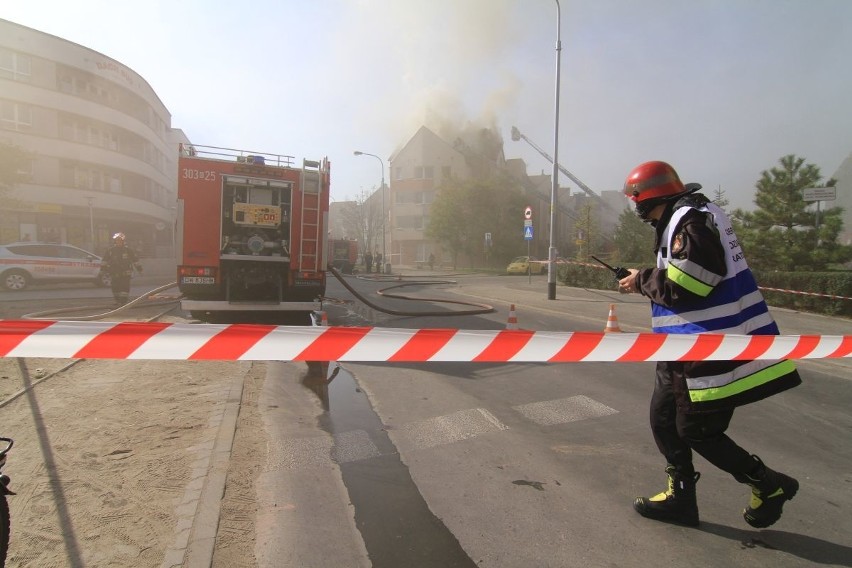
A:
(249, 342)
(833, 297)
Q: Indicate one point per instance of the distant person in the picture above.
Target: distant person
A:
(431, 261)
(702, 284)
(379, 266)
(119, 261)
(368, 262)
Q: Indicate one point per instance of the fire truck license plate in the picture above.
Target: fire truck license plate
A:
(197, 280)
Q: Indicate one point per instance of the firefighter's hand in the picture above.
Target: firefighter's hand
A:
(627, 285)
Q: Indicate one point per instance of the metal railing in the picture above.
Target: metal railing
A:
(233, 154)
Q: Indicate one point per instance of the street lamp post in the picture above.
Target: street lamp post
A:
(384, 213)
(551, 253)
(91, 224)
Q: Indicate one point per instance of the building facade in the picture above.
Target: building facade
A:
(422, 164)
(416, 171)
(843, 175)
(102, 155)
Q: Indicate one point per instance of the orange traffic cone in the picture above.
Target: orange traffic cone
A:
(612, 321)
(512, 323)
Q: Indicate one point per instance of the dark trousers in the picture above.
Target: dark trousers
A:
(677, 433)
(120, 286)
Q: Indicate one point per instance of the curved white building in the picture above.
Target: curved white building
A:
(103, 155)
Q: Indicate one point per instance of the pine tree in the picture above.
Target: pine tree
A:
(634, 240)
(781, 233)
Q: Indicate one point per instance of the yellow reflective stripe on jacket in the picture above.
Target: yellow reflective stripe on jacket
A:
(696, 271)
(684, 280)
(754, 380)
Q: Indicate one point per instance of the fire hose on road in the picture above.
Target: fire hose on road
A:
(481, 308)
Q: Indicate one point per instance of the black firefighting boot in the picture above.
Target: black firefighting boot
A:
(769, 491)
(676, 504)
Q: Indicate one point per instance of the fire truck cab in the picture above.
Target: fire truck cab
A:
(252, 233)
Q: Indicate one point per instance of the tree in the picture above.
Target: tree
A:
(12, 158)
(457, 221)
(361, 219)
(588, 232)
(781, 234)
(719, 198)
(634, 240)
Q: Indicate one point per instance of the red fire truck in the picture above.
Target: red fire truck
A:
(343, 254)
(252, 231)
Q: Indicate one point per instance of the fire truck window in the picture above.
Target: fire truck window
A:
(261, 196)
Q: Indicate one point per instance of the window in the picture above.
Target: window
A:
(25, 169)
(66, 84)
(114, 184)
(16, 116)
(14, 65)
(397, 173)
(428, 172)
(415, 197)
(410, 222)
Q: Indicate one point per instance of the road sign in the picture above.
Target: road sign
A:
(528, 212)
(528, 233)
(820, 193)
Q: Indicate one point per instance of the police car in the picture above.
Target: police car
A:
(25, 263)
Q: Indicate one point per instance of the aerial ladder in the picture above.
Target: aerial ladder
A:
(517, 135)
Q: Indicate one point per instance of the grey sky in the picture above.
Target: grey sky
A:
(720, 88)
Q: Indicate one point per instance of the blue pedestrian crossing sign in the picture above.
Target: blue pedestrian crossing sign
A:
(528, 233)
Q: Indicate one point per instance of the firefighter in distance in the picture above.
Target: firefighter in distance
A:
(119, 262)
(702, 283)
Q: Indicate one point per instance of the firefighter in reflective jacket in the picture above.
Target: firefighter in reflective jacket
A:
(702, 284)
(119, 262)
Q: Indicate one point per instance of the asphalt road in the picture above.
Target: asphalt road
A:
(516, 465)
(460, 464)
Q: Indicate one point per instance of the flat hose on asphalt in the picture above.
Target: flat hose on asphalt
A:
(115, 310)
(481, 308)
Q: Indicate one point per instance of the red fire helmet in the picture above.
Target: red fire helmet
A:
(652, 180)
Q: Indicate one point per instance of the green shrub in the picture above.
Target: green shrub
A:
(810, 289)
(802, 291)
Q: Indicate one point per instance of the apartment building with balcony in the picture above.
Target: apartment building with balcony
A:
(103, 154)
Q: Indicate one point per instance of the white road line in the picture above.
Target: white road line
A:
(318, 451)
(461, 425)
(563, 410)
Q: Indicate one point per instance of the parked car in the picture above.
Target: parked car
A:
(29, 262)
(524, 264)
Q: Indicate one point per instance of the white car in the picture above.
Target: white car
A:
(28, 262)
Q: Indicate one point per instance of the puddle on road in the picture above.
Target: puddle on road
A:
(394, 520)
